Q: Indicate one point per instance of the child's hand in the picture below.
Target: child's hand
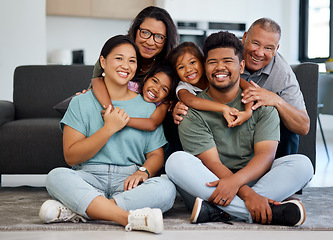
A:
(103, 111)
(83, 91)
(228, 116)
(241, 116)
(115, 120)
(170, 104)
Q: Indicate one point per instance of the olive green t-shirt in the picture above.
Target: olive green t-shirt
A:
(202, 130)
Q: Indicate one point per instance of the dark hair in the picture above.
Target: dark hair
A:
(159, 14)
(183, 48)
(118, 40)
(267, 24)
(164, 67)
(223, 39)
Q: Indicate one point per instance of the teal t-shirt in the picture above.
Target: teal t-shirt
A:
(127, 146)
(202, 130)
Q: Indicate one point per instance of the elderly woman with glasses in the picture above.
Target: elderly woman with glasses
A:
(155, 34)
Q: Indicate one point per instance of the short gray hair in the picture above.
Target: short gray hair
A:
(267, 24)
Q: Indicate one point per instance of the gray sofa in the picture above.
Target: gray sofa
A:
(307, 75)
(30, 137)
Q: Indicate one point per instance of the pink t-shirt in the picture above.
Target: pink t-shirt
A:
(133, 86)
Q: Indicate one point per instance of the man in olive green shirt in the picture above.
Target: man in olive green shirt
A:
(230, 173)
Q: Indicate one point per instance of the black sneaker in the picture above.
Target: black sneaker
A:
(288, 213)
(204, 211)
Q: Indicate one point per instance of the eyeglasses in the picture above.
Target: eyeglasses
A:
(146, 34)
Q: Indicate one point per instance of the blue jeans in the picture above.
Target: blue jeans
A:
(76, 188)
(287, 175)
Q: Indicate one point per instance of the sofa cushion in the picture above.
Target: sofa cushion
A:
(38, 88)
(31, 146)
(63, 105)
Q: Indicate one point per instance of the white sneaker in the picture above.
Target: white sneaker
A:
(145, 219)
(53, 211)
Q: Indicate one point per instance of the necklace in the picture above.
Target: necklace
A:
(146, 67)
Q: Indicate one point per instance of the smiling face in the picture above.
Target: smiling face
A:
(189, 68)
(260, 46)
(156, 88)
(223, 68)
(120, 64)
(148, 47)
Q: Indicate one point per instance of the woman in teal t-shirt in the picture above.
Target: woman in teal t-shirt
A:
(114, 167)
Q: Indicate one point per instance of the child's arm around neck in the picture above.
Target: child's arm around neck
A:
(101, 92)
(247, 113)
(231, 115)
(150, 124)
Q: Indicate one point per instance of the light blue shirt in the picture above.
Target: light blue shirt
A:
(125, 147)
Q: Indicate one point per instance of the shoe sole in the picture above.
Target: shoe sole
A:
(299, 204)
(196, 210)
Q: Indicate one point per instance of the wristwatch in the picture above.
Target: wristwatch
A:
(143, 169)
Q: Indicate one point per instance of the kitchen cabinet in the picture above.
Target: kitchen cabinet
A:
(75, 8)
(115, 9)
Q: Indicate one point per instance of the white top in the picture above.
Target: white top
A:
(189, 87)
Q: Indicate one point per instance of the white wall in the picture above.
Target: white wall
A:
(88, 34)
(22, 41)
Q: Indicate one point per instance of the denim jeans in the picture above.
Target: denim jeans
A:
(287, 175)
(76, 188)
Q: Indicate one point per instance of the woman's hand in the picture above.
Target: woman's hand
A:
(115, 120)
(134, 180)
(83, 91)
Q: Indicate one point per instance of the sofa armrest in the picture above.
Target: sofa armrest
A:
(7, 111)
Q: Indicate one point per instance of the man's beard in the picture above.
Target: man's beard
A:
(223, 88)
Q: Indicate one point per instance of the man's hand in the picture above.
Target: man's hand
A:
(179, 109)
(260, 96)
(259, 208)
(226, 190)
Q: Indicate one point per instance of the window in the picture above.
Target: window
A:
(315, 30)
